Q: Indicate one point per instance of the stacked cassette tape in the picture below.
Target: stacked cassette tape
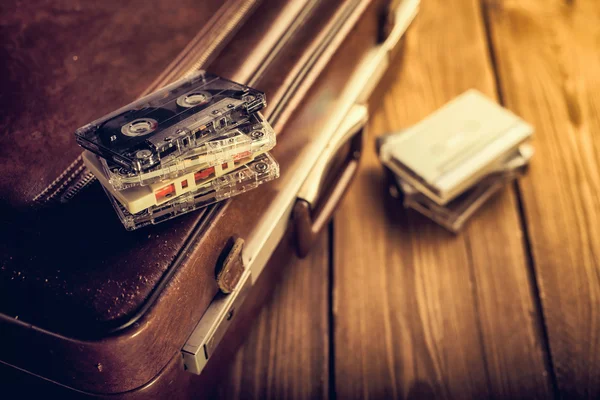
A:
(447, 166)
(195, 142)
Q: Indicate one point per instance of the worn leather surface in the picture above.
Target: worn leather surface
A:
(65, 64)
(172, 382)
(74, 273)
(237, 216)
(72, 270)
(74, 262)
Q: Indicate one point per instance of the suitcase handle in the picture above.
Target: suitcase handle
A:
(308, 216)
(307, 225)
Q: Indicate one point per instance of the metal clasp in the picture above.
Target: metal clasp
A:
(210, 330)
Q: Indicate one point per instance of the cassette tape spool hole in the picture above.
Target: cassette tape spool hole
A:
(126, 172)
(139, 127)
(143, 154)
(194, 99)
(257, 134)
(261, 167)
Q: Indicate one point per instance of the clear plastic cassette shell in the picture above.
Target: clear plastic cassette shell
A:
(248, 139)
(263, 169)
(171, 121)
(456, 213)
(139, 198)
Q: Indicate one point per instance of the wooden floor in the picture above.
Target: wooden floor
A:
(390, 305)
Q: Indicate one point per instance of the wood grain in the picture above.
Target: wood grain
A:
(286, 352)
(548, 59)
(418, 312)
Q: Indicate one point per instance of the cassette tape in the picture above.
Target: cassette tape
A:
(138, 198)
(245, 141)
(171, 121)
(454, 147)
(454, 214)
(262, 169)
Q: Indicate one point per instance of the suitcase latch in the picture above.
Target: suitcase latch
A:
(232, 268)
(216, 320)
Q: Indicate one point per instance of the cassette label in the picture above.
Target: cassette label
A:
(262, 169)
(136, 199)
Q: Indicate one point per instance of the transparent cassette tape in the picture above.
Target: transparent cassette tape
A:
(171, 121)
(262, 169)
(245, 141)
(454, 214)
(138, 198)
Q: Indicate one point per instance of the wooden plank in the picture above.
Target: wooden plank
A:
(548, 58)
(286, 352)
(419, 312)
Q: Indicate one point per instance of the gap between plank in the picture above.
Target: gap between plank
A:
(330, 313)
(473, 286)
(540, 319)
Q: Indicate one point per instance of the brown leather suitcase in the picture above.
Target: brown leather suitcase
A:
(89, 309)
